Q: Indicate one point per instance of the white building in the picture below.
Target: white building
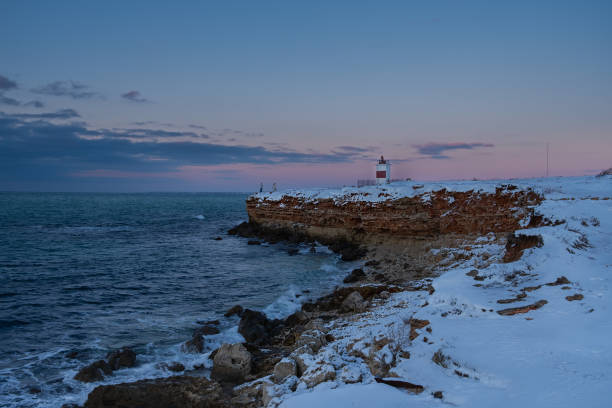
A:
(383, 171)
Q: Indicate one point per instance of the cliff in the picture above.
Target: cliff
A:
(423, 215)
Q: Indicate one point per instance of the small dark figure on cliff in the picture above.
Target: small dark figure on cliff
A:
(260, 187)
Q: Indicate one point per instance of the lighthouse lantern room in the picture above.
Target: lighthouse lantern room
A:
(383, 171)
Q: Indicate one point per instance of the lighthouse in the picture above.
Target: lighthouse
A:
(383, 171)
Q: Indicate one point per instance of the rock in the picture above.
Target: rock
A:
(414, 388)
(178, 391)
(206, 330)
(256, 328)
(303, 357)
(232, 363)
(293, 251)
(576, 296)
(296, 318)
(355, 276)
(218, 239)
(174, 366)
(438, 394)
(516, 244)
(523, 309)
(272, 391)
(384, 295)
(284, 368)
(234, 310)
(314, 339)
(318, 373)
(124, 358)
(195, 345)
(94, 372)
(253, 242)
(354, 303)
(350, 374)
(605, 173)
(562, 280)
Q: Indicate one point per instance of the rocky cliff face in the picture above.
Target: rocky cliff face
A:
(423, 216)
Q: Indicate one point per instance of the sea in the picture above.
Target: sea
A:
(84, 274)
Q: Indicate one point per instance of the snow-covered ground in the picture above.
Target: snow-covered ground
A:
(553, 187)
(559, 355)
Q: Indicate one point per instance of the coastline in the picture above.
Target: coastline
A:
(384, 325)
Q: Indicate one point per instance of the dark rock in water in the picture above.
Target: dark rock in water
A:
(206, 330)
(253, 242)
(126, 357)
(293, 251)
(218, 238)
(355, 276)
(438, 394)
(72, 354)
(34, 390)
(195, 345)
(256, 328)
(178, 391)
(209, 322)
(235, 310)
(174, 366)
(213, 354)
(253, 326)
(94, 372)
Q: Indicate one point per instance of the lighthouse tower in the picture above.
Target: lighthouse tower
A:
(383, 171)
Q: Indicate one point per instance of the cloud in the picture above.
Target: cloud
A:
(71, 89)
(35, 104)
(5, 100)
(6, 84)
(436, 150)
(134, 96)
(60, 114)
(34, 149)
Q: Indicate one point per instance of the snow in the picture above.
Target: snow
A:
(553, 188)
(557, 356)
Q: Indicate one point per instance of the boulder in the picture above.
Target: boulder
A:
(123, 358)
(284, 368)
(195, 345)
(232, 363)
(355, 276)
(93, 372)
(178, 391)
(256, 328)
(206, 330)
(314, 339)
(303, 357)
(235, 310)
(318, 373)
(353, 303)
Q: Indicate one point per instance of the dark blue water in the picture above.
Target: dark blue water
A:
(89, 273)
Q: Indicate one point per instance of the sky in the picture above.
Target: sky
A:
(220, 96)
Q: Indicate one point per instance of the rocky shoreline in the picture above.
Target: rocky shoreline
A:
(280, 356)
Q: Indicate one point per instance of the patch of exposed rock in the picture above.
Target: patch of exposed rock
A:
(179, 391)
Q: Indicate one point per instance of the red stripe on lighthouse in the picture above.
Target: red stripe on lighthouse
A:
(381, 174)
